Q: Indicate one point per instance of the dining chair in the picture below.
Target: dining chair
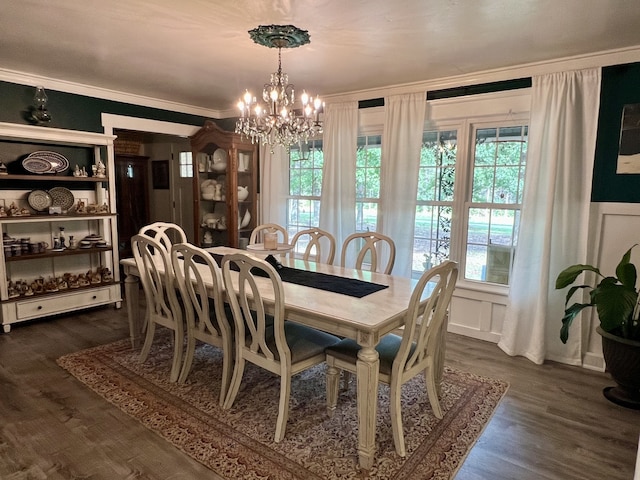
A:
(163, 308)
(205, 313)
(260, 230)
(318, 241)
(371, 248)
(282, 347)
(165, 233)
(418, 350)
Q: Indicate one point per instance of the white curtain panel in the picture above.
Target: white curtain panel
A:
(401, 143)
(274, 185)
(338, 201)
(555, 214)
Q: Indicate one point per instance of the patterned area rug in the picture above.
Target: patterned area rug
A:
(238, 443)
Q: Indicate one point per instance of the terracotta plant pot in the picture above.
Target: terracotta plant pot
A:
(622, 357)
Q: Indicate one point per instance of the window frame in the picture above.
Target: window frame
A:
(473, 126)
(499, 109)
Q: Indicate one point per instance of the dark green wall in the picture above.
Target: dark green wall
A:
(78, 112)
(620, 86)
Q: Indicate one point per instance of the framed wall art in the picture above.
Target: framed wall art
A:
(629, 149)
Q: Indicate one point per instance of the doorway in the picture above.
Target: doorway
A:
(160, 141)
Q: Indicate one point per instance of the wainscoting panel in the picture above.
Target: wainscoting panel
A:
(614, 227)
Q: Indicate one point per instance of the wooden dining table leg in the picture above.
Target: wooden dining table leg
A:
(131, 292)
(368, 368)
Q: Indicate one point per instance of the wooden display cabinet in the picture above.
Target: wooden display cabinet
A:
(225, 186)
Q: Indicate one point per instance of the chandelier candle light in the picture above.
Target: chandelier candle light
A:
(277, 121)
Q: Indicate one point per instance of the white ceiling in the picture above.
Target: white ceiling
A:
(198, 52)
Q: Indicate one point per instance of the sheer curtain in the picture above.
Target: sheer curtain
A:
(274, 185)
(401, 143)
(340, 140)
(555, 214)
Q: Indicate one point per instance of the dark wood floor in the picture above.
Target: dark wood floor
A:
(553, 423)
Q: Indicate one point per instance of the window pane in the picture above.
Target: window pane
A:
(432, 238)
(434, 208)
(186, 164)
(305, 186)
(483, 181)
(302, 214)
(366, 216)
(368, 157)
(436, 176)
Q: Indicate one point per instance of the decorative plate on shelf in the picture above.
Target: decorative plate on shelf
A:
(62, 197)
(36, 165)
(39, 200)
(57, 162)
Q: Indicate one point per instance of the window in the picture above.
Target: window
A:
(368, 182)
(478, 225)
(493, 210)
(434, 205)
(186, 165)
(305, 186)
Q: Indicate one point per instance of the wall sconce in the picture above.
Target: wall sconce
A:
(40, 114)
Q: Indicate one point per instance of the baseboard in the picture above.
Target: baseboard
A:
(592, 361)
(473, 333)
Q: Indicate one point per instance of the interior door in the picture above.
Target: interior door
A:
(132, 198)
(173, 202)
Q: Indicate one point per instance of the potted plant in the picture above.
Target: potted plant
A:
(616, 301)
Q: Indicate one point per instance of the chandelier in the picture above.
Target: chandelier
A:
(276, 120)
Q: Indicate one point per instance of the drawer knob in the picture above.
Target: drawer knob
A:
(39, 307)
(94, 297)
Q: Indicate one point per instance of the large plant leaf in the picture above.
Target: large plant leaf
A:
(569, 314)
(614, 303)
(573, 290)
(569, 274)
(627, 274)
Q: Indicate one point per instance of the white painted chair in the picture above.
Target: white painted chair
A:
(281, 347)
(318, 242)
(260, 230)
(159, 288)
(418, 351)
(205, 314)
(372, 248)
(165, 233)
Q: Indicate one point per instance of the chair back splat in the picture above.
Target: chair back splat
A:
(205, 314)
(158, 283)
(260, 230)
(373, 249)
(165, 233)
(321, 245)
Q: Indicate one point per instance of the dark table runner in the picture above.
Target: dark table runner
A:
(322, 281)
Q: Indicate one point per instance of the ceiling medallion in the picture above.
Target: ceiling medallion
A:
(277, 121)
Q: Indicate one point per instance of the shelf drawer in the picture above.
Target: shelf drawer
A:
(65, 302)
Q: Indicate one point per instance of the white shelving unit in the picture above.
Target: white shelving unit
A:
(42, 227)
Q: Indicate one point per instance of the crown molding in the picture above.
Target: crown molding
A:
(592, 60)
(24, 78)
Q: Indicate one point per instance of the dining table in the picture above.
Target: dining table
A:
(364, 318)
